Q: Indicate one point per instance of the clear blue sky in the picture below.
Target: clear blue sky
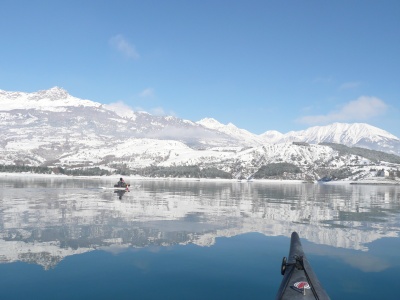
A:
(262, 65)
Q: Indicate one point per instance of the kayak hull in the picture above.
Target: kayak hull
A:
(299, 280)
(116, 188)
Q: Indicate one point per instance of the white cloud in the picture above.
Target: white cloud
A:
(159, 111)
(156, 111)
(147, 93)
(115, 249)
(120, 108)
(171, 132)
(366, 263)
(122, 45)
(124, 110)
(362, 109)
(139, 108)
(350, 85)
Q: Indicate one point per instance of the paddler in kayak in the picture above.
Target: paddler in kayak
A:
(122, 183)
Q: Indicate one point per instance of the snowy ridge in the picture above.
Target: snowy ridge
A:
(52, 100)
(231, 130)
(356, 134)
(272, 136)
(53, 128)
(341, 133)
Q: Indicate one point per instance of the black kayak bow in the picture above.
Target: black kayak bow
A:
(299, 280)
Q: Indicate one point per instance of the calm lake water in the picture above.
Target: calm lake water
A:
(70, 239)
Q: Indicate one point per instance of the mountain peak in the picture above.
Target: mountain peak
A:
(54, 98)
(346, 133)
(54, 93)
(271, 136)
(210, 123)
(57, 99)
(353, 134)
(231, 130)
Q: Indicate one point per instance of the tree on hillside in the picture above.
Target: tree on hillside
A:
(276, 170)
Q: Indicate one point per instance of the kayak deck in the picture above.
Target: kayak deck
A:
(116, 188)
(299, 280)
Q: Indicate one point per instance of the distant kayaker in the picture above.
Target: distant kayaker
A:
(121, 183)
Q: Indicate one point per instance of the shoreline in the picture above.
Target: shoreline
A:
(377, 181)
(254, 181)
(141, 178)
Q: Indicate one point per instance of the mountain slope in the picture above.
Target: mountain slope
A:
(55, 115)
(232, 131)
(53, 128)
(356, 134)
(341, 133)
(53, 99)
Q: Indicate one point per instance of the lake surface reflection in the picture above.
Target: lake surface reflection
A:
(68, 238)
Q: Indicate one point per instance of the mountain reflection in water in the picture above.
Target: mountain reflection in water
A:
(44, 220)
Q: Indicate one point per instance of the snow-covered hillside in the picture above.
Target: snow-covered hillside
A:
(53, 128)
(54, 99)
(231, 130)
(356, 134)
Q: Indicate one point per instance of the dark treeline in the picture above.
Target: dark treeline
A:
(373, 155)
(182, 171)
(335, 174)
(95, 171)
(21, 169)
(276, 170)
(175, 171)
(271, 171)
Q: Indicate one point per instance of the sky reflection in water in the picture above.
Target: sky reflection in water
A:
(64, 238)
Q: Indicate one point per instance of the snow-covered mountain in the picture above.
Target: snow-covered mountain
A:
(352, 135)
(54, 99)
(51, 127)
(232, 131)
(356, 134)
(272, 136)
(55, 113)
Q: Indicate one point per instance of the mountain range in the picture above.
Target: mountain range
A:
(51, 127)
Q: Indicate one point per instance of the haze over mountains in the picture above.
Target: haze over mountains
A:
(51, 127)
